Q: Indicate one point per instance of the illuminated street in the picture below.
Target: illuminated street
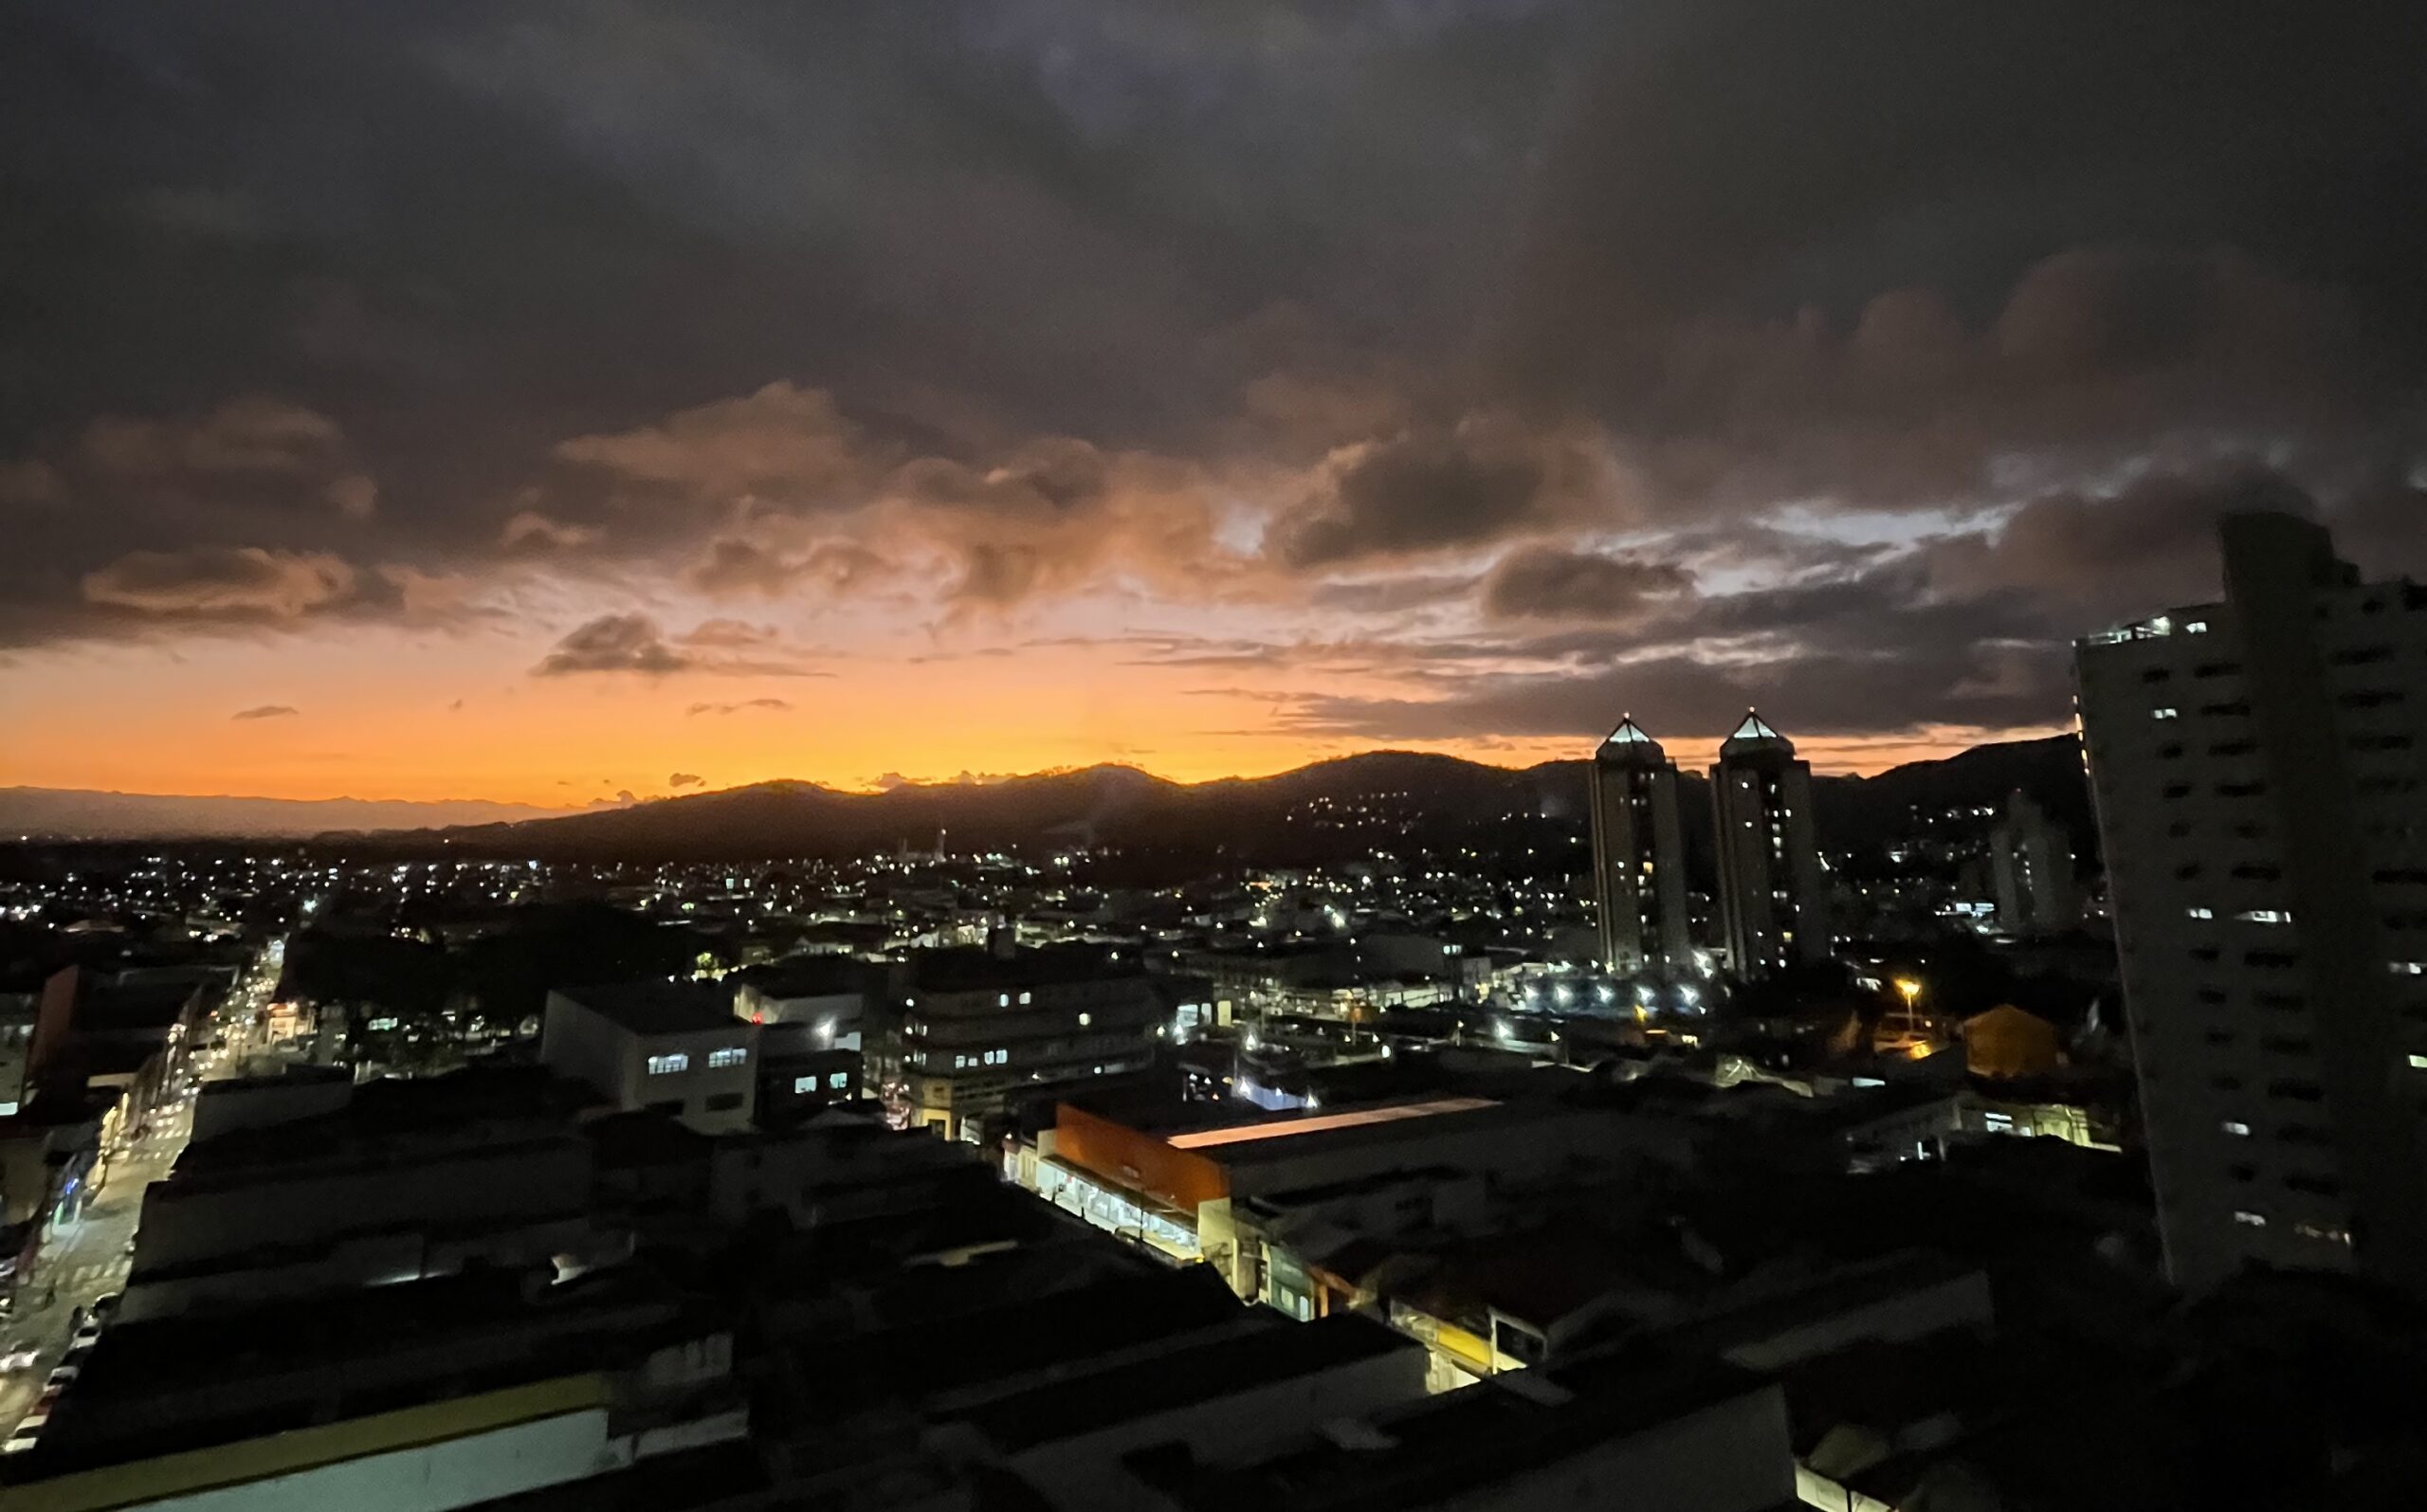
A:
(87, 1259)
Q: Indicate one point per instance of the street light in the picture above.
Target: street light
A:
(1911, 989)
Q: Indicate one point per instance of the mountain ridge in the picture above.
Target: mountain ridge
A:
(1423, 793)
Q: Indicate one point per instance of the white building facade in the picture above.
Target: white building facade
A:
(1638, 855)
(2260, 772)
(1771, 905)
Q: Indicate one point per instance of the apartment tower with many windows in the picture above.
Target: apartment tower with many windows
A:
(2260, 771)
(1638, 855)
(1770, 901)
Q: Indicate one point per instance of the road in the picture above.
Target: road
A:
(88, 1259)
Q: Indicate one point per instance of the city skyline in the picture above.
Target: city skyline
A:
(452, 404)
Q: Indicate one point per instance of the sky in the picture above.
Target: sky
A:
(565, 403)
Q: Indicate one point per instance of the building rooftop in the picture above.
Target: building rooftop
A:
(659, 1008)
(1628, 744)
(972, 968)
(811, 976)
(1326, 1122)
(1269, 1350)
(1017, 1334)
(1755, 734)
(479, 1107)
(159, 1386)
(1434, 1452)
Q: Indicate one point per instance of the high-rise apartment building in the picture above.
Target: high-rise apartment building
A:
(2260, 768)
(1638, 855)
(1770, 901)
(2031, 866)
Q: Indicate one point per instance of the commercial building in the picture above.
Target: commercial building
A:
(425, 1396)
(2257, 767)
(980, 1025)
(1638, 855)
(310, 1184)
(676, 1046)
(834, 995)
(2031, 866)
(1772, 909)
(1195, 1179)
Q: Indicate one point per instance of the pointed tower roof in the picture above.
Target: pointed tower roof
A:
(1755, 734)
(1629, 744)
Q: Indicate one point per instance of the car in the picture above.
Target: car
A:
(64, 1375)
(20, 1355)
(22, 1440)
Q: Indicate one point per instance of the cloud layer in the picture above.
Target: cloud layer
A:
(1458, 373)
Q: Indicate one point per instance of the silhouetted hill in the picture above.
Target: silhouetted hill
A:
(76, 813)
(1381, 800)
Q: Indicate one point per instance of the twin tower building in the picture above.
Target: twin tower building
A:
(1770, 900)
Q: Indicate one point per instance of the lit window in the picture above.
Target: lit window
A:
(1002, 999)
(2201, 913)
(1025, 997)
(2250, 1219)
(2194, 626)
(2238, 1129)
(838, 1081)
(1085, 1019)
(2166, 714)
(381, 1023)
(668, 1064)
(2407, 968)
(804, 1084)
(2419, 1063)
(2264, 916)
(730, 1055)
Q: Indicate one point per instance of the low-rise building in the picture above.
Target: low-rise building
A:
(673, 1046)
(401, 1180)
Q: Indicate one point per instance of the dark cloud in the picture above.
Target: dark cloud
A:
(614, 643)
(735, 567)
(1897, 251)
(1915, 333)
(267, 711)
(1966, 686)
(236, 582)
(770, 705)
(1422, 491)
(684, 779)
(2153, 544)
(1545, 583)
